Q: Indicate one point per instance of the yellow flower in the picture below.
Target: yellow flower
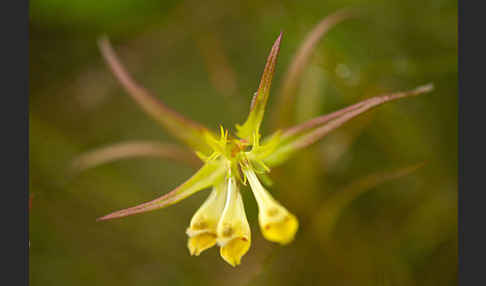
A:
(229, 161)
(202, 229)
(233, 230)
(201, 242)
(276, 223)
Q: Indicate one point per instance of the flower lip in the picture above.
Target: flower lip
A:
(234, 250)
(201, 242)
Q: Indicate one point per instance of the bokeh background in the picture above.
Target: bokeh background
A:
(376, 199)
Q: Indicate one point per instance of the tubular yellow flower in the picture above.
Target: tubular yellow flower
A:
(202, 229)
(233, 230)
(276, 223)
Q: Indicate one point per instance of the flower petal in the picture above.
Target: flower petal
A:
(201, 242)
(257, 108)
(186, 130)
(233, 251)
(276, 223)
(233, 230)
(281, 228)
(208, 175)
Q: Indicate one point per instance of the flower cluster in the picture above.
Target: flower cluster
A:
(222, 219)
(229, 161)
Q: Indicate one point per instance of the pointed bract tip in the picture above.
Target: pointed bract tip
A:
(101, 218)
(108, 217)
(279, 39)
(103, 40)
(425, 88)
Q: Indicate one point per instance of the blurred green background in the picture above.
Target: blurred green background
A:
(363, 219)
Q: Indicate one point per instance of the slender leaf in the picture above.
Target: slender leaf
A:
(329, 211)
(134, 149)
(307, 133)
(186, 130)
(208, 175)
(286, 97)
